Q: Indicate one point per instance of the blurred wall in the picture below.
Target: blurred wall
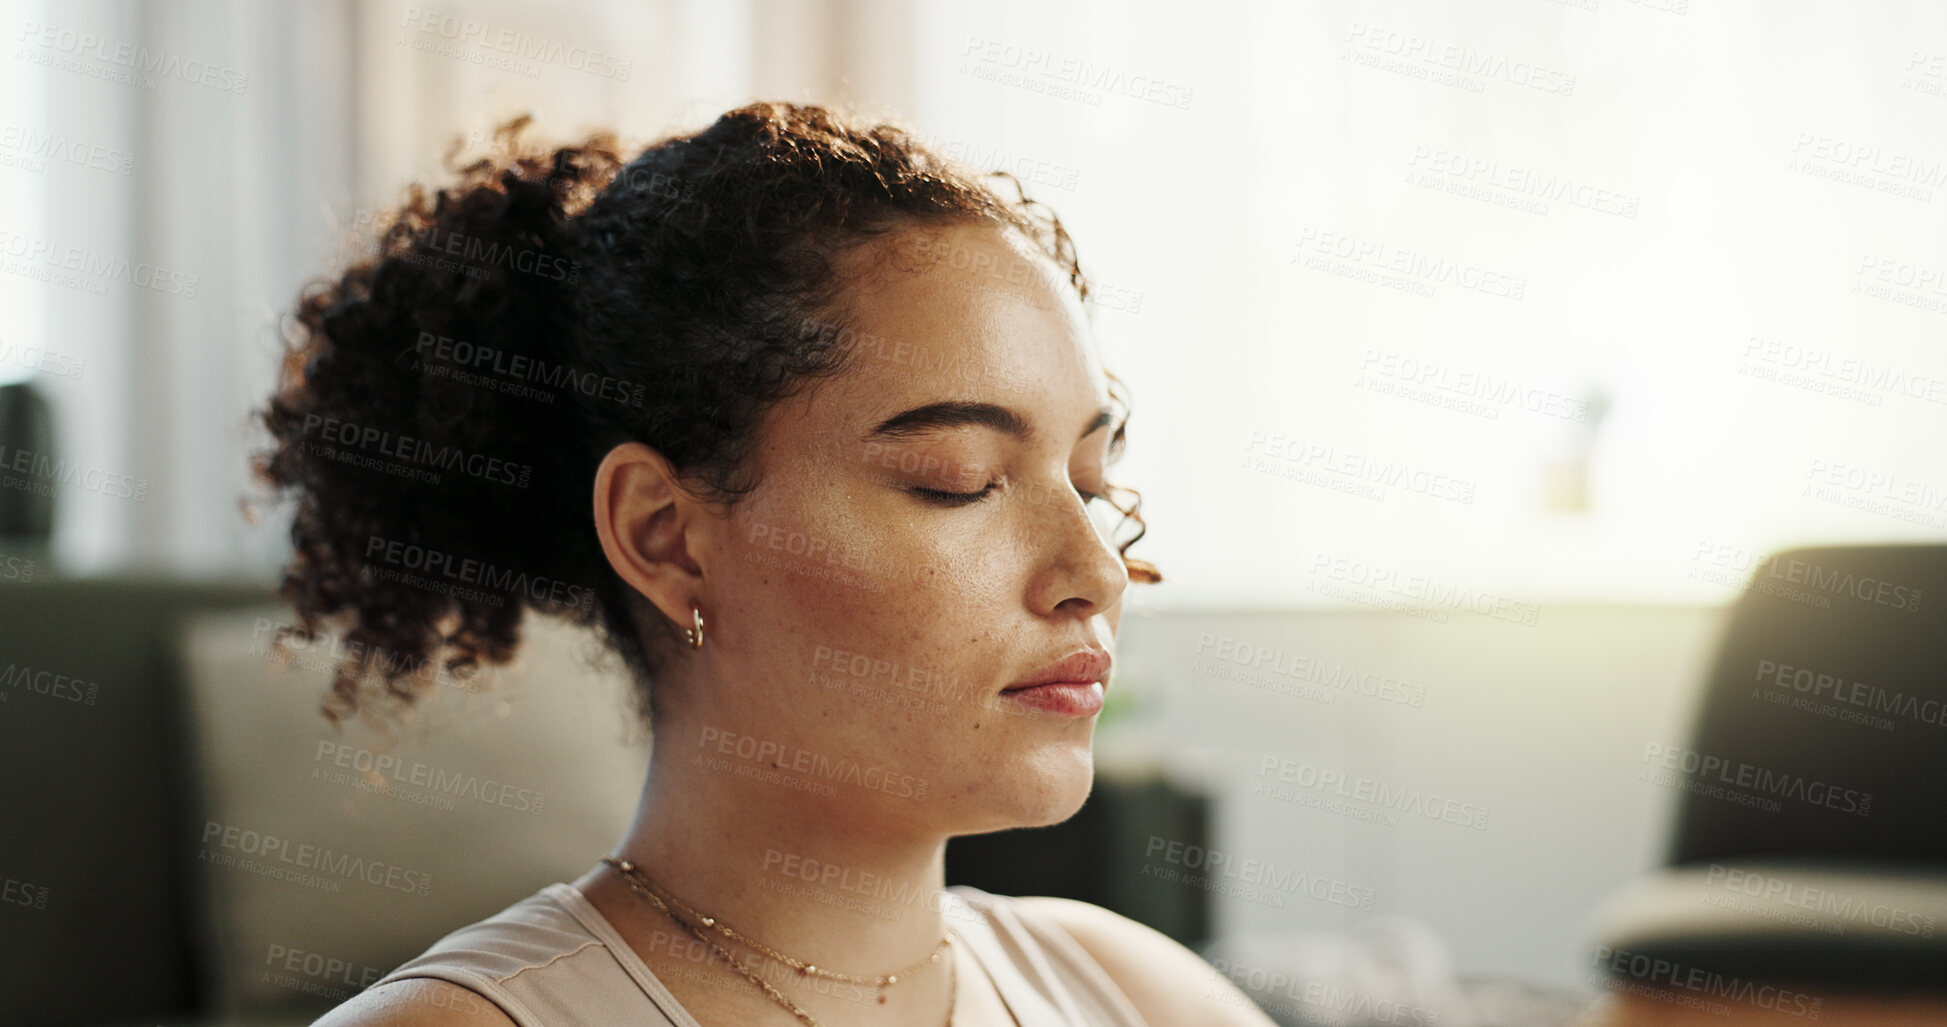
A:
(1533, 733)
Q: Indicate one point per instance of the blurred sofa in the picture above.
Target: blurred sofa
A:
(96, 797)
(184, 823)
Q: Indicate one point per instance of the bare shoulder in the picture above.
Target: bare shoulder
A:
(416, 1002)
(1167, 983)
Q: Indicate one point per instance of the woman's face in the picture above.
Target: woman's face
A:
(861, 626)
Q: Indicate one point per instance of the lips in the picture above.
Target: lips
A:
(1080, 667)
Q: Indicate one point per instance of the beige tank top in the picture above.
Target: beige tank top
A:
(552, 960)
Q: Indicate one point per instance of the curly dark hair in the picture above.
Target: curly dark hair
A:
(667, 300)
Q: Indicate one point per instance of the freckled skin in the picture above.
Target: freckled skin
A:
(975, 596)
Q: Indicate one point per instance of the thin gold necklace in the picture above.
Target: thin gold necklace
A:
(639, 881)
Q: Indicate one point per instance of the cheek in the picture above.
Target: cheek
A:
(852, 568)
(890, 631)
(793, 578)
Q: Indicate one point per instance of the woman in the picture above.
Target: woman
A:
(845, 434)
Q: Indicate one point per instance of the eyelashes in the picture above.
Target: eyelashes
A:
(953, 498)
(946, 498)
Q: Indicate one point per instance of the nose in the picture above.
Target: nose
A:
(1077, 569)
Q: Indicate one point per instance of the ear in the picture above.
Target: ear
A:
(648, 525)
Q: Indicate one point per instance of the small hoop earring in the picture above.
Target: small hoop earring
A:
(694, 636)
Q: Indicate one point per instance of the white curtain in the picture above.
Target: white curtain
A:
(256, 135)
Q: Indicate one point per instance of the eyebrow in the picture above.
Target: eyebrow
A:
(949, 414)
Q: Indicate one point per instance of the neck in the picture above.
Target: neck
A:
(840, 882)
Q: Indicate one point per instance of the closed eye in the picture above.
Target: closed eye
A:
(953, 498)
(967, 498)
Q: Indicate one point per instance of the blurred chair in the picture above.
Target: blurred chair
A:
(1810, 841)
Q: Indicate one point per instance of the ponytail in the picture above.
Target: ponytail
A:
(426, 403)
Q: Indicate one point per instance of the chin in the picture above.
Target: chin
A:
(1051, 785)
